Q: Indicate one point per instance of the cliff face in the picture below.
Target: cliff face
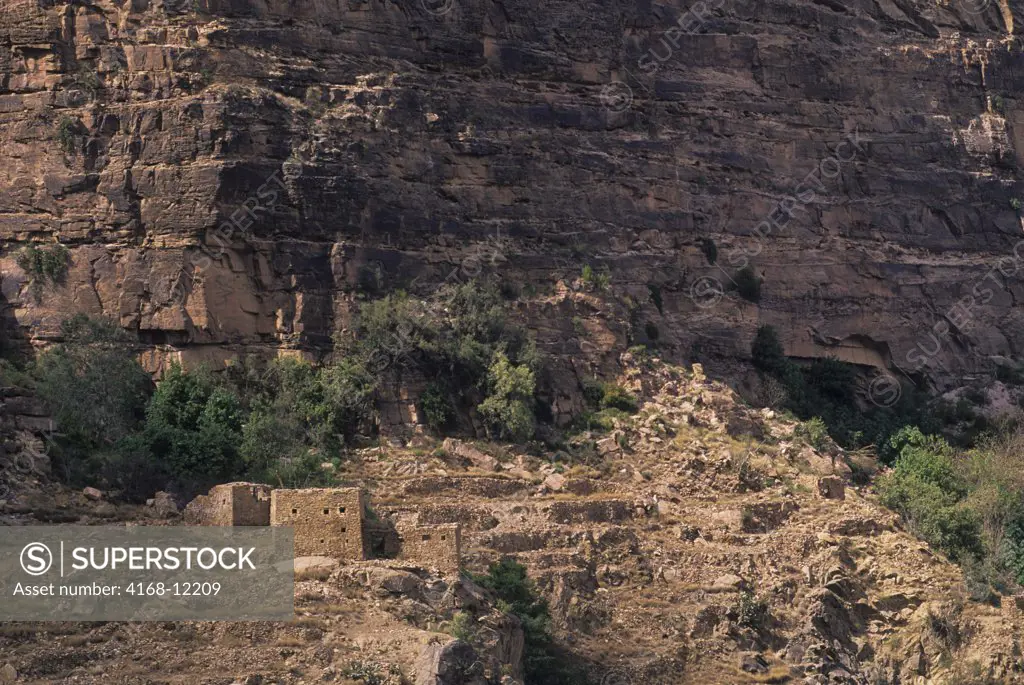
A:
(231, 174)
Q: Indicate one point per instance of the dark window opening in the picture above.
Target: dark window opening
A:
(326, 512)
(425, 538)
(341, 510)
(295, 511)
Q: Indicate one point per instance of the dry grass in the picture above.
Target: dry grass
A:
(309, 622)
(320, 574)
(776, 674)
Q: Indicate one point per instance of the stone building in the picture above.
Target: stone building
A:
(231, 504)
(329, 522)
(440, 544)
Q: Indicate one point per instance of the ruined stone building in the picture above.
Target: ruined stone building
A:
(330, 522)
(231, 504)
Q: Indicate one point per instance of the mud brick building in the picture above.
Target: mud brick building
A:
(231, 504)
(329, 522)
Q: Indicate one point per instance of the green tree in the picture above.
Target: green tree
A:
(766, 351)
(194, 427)
(97, 392)
(301, 414)
(508, 408)
(925, 488)
(92, 382)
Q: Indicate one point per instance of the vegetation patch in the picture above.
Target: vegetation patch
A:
(67, 134)
(47, 264)
(544, 662)
(747, 284)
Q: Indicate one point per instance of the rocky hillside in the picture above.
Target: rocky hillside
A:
(232, 175)
(697, 541)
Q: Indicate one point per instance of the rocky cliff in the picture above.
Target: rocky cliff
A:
(236, 173)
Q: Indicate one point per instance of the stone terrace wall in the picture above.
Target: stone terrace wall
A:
(328, 521)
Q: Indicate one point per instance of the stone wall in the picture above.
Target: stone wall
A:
(380, 540)
(231, 504)
(437, 546)
(328, 521)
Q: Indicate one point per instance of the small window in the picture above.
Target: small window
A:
(321, 541)
(295, 511)
(425, 538)
(444, 537)
(344, 530)
(326, 512)
(341, 510)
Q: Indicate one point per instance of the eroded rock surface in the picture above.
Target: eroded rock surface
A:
(228, 174)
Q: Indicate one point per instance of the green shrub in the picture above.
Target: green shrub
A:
(766, 351)
(1011, 374)
(1012, 551)
(544, 662)
(600, 421)
(751, 611)
(593, 392)
(748, 285)
(598, 280)
(614, 396)
(926, 490)
(453, 338)
(710, 250)
(656, 298)
(365, 672)
(67, 134)
(976, 396)
(45, 264)
(88, 80)
(814, 432)
(462, 627)
(436, 407)
(299, 415)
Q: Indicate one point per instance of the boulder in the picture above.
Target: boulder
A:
(479, 459)
(728, 583)
(555, 482)
(92, 494)
(453, 663)
(313, 566)
(394, 581)
(163, 504)
(8, 674)
(831, 487)
(753, 663)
